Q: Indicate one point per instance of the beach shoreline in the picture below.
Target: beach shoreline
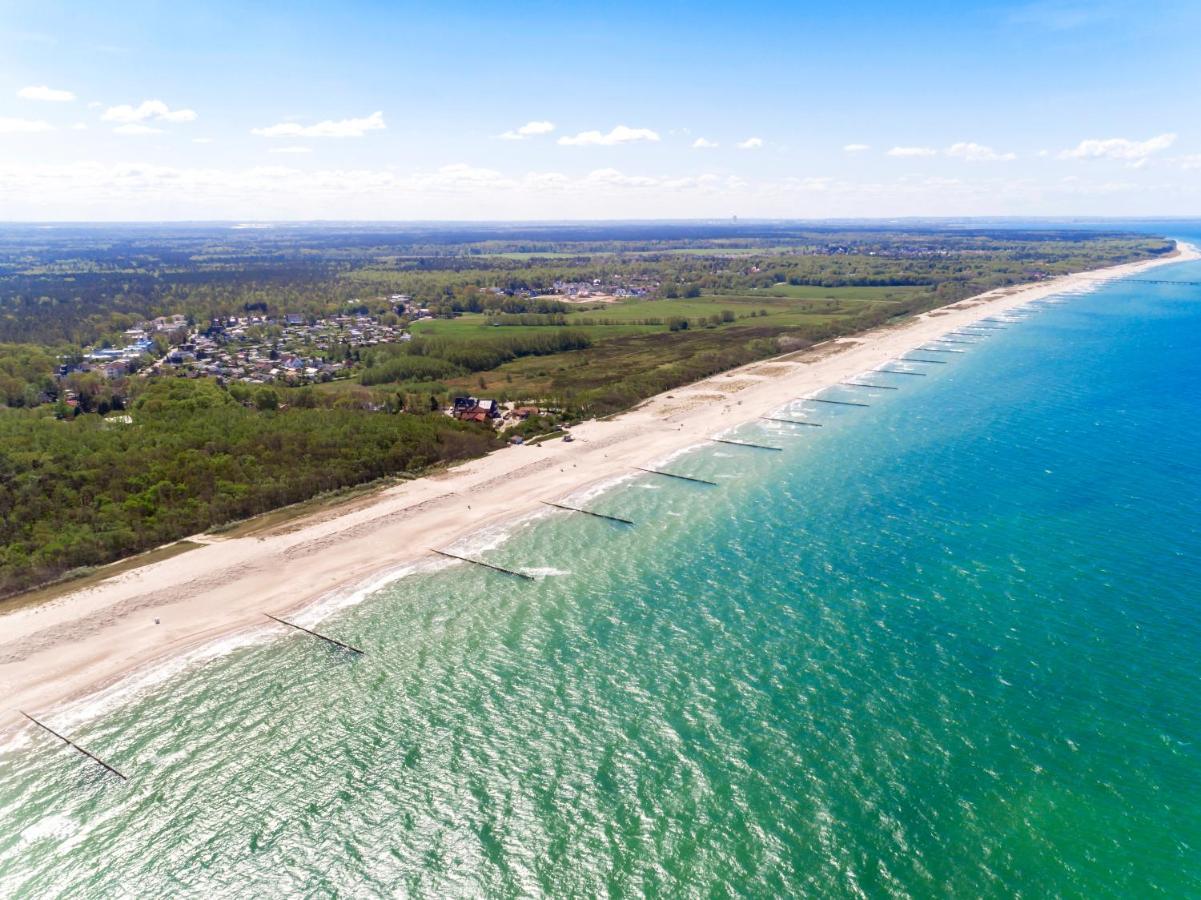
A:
(87, 641)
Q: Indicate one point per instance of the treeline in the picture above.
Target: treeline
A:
(83, 492)
(432, 358)
(27, 374)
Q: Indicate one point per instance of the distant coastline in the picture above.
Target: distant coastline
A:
(138, 620)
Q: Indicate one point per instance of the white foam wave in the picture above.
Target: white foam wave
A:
(493, 536)
(75, 713)
(544, 571)
(325, 606)
(660, 461)
(56, 826)
(592, 491)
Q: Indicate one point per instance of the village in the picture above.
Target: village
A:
(288, 350)
(254, 349)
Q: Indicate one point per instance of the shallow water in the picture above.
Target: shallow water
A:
(945, 644)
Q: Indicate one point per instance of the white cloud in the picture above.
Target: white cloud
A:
(136, 128)
(80, 126)
(342, 128)
(856, 148)
(703, 144)
(291, 150)
(202, 140)
(912, 151)
(622, 134)
(147, 111)
(43, 92)
(133, 189)
(973, 152)
(1192, 161)
(95, 104)
(1119, 148)
(23, 126)
(529, 129)
(751, 143)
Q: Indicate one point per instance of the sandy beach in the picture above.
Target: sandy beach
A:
(82, 641)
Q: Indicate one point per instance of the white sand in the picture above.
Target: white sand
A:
(85, 640)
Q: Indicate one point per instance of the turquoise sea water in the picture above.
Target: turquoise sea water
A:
(946, 645)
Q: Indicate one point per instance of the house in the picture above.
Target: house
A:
(472, 409)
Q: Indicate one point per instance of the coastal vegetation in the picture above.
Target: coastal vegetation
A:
(576, 321)
(86, 491)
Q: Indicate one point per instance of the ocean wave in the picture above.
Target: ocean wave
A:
(335, 601)
(73, 714)
(660, 461)
(593, 491)
(544, 571)
(493, 536)
(56, 826)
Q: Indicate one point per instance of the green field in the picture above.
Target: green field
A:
(817, 292)
(473, 326)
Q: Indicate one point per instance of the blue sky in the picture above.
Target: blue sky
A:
(617, 110)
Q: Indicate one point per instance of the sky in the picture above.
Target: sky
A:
(517, 111)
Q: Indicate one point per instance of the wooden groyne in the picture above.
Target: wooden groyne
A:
(933, 362)
(791, 421)
(895, 372)
(674, 475)
(477, 562)
(74, 746)
(832, 402)
(1162, 281)
(949, 341)
(588, 512)
(879, 387)
(936, 350)
(316, 634)
(746, 444)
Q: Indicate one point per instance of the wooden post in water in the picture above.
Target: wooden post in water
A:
(832, 402)
(791, 421)
(588, 512)
(745, 444)
(315, 634)
(73, 745)
(879, 387)
(674, 475)
(895, 372)
(484, 564)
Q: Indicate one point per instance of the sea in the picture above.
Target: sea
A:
(948, 644)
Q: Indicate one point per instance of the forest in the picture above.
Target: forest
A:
(86, 491)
